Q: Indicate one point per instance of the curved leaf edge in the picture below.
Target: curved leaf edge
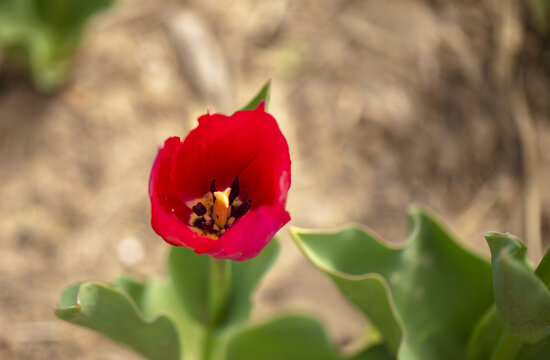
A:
(73, 309)
(415, 213)
(294, 232)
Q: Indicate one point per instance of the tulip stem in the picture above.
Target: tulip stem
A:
(220, 282)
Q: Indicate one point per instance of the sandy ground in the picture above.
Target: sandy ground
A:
(383, 103)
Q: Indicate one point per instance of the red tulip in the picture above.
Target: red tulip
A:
(222, 191)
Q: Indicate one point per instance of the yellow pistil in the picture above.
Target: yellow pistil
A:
(220, 210)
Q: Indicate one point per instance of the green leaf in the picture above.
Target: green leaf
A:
(166, 313)
(190, 276)
(375, 352)
(415, 294)
(262, 95)
(113, 313)
(485, 337)
(285, 338)
(68, 15)
(43, 36)
(537, 351)
(489, 340)
(540, 14)
(132, 287)
(543, 270)
(522, 299)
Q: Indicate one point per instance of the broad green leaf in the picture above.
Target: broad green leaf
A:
(113, 313)
(522, 299)
(424, 297)
(262, 95)
(285, 338)
(190, 276)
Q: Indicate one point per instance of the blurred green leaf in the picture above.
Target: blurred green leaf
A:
(522, 299)
(540, 14)
(113, 313)
(262, 95)
(285, 338)
(43, 35)
(424, 297)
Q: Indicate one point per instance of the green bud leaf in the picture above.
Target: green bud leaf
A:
(262, 95)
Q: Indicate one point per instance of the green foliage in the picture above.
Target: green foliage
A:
(540, 14)
(430, 297)
(374, 352)
(522, 299)
(288, 338)
(425, 297)
(292, 337)
(43, 35)
(167, 318)
(190, 274)
(263, 95)
(518, 326)
(485, 337)
(110, 311)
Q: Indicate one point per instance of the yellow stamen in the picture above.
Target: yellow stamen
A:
(221, 207)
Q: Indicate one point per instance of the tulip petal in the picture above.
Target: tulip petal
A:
(250, 234)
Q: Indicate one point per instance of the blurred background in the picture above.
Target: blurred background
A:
(384, 103)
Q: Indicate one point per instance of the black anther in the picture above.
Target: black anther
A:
(235, 190)
(199, 209)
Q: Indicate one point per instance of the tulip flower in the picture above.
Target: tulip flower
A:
(222, 190)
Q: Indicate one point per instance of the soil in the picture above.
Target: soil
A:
(384, 104)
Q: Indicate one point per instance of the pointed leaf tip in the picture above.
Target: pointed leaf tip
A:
(262, 96)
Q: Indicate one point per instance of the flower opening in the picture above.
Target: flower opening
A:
(217, 211)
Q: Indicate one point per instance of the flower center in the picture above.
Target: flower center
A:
(217, 211)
